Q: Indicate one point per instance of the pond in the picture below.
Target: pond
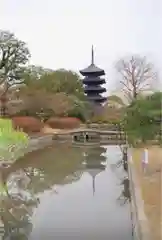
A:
(67, 192)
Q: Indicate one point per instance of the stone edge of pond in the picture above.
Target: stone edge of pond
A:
(140, 222)
(39, 143)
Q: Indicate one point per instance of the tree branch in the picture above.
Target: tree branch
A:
(125, 85)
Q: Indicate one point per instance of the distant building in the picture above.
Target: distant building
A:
(93, 83)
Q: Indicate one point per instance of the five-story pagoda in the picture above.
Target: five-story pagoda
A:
(92, 82)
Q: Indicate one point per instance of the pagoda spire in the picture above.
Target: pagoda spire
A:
(93, 183)
(92, 59)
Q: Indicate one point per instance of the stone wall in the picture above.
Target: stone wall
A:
(39, 143)
(101, 126)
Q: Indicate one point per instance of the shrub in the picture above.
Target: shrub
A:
(24, 112)
(57, 104)
(142, 119)
(77, 115)
(109, 115)
(99, 119)
(63, 123)
(27, 124)
(45, 115)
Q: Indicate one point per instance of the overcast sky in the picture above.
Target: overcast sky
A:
(60, 33)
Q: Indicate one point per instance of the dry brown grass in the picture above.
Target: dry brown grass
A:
(151, 187)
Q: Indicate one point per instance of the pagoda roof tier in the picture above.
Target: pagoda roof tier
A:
(91, 161)
(97, 167)
(94, 89)
(97, 150)
(94, 80)
(97, 98)
(92, 69)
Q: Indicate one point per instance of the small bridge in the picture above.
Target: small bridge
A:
(88, 130)
(86, 134)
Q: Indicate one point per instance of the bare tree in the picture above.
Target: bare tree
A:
(136, 75)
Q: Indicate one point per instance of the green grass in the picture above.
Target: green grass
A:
(12, 143)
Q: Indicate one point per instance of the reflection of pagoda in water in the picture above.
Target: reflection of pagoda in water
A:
(95, 163)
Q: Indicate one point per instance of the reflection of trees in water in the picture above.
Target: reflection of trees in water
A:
(125, 194)
(122, 163)
(72, 177)
(17, 207)
(51, 167)
(30, 176)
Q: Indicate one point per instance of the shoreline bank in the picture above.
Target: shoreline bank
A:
(149, 183)
(140, 225)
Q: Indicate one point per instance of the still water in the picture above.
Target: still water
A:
(67, 192)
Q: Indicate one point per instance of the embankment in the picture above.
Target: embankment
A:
(141, 229)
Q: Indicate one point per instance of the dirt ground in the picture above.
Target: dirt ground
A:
(151, 187)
